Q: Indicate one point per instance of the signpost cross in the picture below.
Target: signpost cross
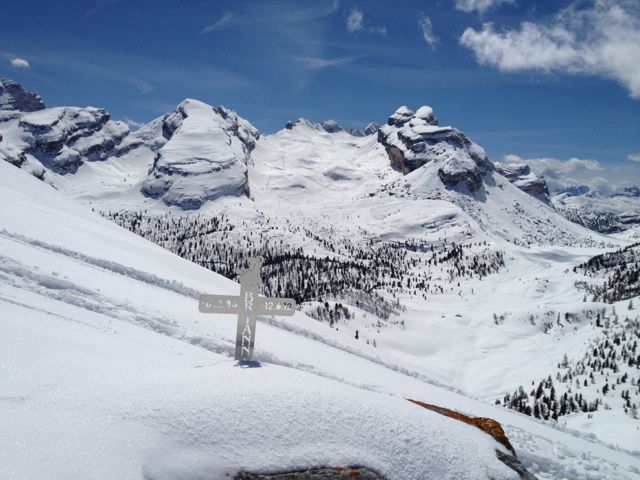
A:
(248, 305)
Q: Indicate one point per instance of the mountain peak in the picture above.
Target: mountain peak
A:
(201, 154)
(14, 96)
(521, 176)
(414, 139)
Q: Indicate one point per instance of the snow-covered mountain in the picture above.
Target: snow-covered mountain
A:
(607, 213)
(521, 176)
(201, 153)
(407, 249)
(198, 153)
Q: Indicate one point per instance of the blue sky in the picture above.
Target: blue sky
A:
(556, 83)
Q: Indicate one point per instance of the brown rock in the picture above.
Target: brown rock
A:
(487, 425)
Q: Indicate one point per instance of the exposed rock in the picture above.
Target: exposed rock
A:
(62, 138)
(331, 126)
(490, 426)
(630, 192)
(522, 177)
(371, 128)
(202, 154)
(574, 190)
(337, 473)
(487, 425)
(14, 96)
(415, 139)
(514, 464)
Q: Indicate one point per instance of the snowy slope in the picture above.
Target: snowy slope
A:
(109, 371)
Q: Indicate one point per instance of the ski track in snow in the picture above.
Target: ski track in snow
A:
(114, 267)
(72, 294)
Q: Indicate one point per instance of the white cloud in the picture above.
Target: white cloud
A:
(20, 63)
(427, 30)
(578, 171)
(133, 125)
(226, 18)
(354, 20)
(634, 157)
(316, 63)
(479, 6)
(602, 39)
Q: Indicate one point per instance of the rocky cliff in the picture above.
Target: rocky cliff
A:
(413, 139)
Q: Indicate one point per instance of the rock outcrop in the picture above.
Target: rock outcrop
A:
(521, 176)
(64, 137)
(337, 473)
(491, 427)
(331, 126)
(14, 96)
(201, 154)
(414, 139)
(58, 139)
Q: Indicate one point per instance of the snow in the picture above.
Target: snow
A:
(130, 308)
(135, 369)
(156, 400)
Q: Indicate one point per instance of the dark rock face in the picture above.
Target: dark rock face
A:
(514, 464)
(522, 177)
(63, 138)
(414, 139)
(371, 128)
(14, 96)
(337, 473)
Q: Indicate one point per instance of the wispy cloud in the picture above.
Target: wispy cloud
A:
(20, 63)
(224, 20)
(426, 27)
(479, 6)
(634, 157)
(600, 39)
(354, 20)
(141, 73)
(133, 125)
(313, 63)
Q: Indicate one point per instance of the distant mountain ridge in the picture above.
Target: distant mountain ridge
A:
(604, 212)
(198, 154)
